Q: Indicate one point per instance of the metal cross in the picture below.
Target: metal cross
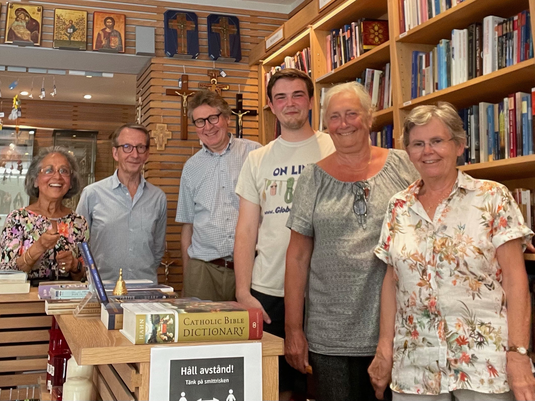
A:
(239, 111)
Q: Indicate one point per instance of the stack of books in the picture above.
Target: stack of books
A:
(14, 282)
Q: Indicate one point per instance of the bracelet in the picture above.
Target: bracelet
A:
(24, 256)
(28, 251)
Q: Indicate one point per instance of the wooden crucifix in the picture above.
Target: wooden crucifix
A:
(239, 111)
(224, 29)
(213, 85)
(184, 93)
(161, 135)
(182, 26)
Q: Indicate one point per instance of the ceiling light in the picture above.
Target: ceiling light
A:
(87, 97)
(24, 93)
(89, 76)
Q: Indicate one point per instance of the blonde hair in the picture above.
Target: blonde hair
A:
(349, 87)
(444, 112)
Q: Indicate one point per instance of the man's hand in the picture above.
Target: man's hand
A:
(296, 349)
(520, 377)
(251, 302)
(380, 372)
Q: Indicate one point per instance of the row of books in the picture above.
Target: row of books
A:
(478, 50)
(352, 40)
(383, 138)
(14, 282)
(379, 86)
(526, 202)
(415, 12)
(500, 131)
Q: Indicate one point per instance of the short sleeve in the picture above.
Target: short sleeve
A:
(11, 241)
(301, 215)
(246, 185)
(185, 211)
(508, 223)
(382, 250)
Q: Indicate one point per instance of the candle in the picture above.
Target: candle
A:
(78, 389)
(75, 370)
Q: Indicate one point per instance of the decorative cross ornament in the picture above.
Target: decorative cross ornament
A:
(224, 29)
(213, 85)
(182, 26)
(184, 93)
(161, 135)
(239, 111)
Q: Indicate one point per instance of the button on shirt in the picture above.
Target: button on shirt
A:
(208, 201)
(125, 232)
(451, 320)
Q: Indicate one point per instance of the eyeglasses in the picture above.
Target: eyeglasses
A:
(127, 148)
(212, 119)
(49, 170)
(361, 190)
(417, 147)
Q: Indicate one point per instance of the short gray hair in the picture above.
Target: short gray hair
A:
(349, 87)
(444, 112)
(118, 130)
(35, 169)
(211, 99)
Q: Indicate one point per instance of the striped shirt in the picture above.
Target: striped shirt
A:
(208, 201)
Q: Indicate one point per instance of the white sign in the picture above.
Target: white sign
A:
(275, 37)
(224, 372)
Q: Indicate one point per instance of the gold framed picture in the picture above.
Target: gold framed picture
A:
(70, 29)
(109, 32)
(23, 24)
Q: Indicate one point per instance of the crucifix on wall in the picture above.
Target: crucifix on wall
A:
(224, 29)
(239, 112)
(181, 24)
(213, 85)
(161, 135)
(184, 93)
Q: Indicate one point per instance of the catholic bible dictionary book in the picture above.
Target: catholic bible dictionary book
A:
(164, 322)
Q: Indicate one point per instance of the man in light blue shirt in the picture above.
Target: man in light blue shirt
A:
(208, 204)
(127, 216)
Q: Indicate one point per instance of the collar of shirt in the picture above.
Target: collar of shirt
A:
(116, 183)
(231, 140)
(463, 181)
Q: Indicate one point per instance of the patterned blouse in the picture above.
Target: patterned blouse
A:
(24, 227)
(451, 316)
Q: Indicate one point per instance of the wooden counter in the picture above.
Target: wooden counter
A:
(92, 344)
(23, 339)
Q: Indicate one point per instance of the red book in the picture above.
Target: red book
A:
(374, 33)
(512, 126)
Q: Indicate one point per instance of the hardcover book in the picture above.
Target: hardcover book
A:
(374, 33)
(166, 322)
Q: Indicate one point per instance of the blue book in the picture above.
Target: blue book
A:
(414, 75)
(437, 7)
(94, 275)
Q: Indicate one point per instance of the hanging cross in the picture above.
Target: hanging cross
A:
(213, 85)
(224, 29)
(161, 135)
(139, 112)
(184, 93)
(182, 26)
(239, 111)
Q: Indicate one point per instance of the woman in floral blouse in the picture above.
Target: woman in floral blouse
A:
(455, 305)
(42, 238)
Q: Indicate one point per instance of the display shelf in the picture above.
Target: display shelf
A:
(459, 17)
(492, 87)
(295, 45)
(502, 170)
(375, 58)
(351, 11)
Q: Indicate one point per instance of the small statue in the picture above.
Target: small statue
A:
(120, 287)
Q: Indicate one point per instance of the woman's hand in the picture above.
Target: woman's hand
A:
(380, 371)
(520, 377)
(296, 349)
(66, 261)
(48, 239)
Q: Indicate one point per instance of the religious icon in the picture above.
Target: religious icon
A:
(109, 32)
(70, 29)
(181, 33)
(23, 24)
(223, 37)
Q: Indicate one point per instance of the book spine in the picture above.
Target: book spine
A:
(95, 276)
(56, 293)
(234, 325)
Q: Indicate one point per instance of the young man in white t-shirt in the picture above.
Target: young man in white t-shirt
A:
(265, 186)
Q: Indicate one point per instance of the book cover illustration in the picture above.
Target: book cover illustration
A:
(374, 33)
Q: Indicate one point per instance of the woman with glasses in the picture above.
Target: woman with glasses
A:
(41, 239)
(338, 208)
(455, 305)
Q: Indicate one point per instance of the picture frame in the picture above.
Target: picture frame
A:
(109, 32)
(70, 29)
(23, 24)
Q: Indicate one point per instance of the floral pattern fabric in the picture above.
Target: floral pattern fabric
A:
(24, 227)
(451, 316)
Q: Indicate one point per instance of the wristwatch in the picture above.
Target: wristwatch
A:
(520, 350)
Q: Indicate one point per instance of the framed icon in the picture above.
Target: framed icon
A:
(109, 32)
(70, 29)
(23, 24)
